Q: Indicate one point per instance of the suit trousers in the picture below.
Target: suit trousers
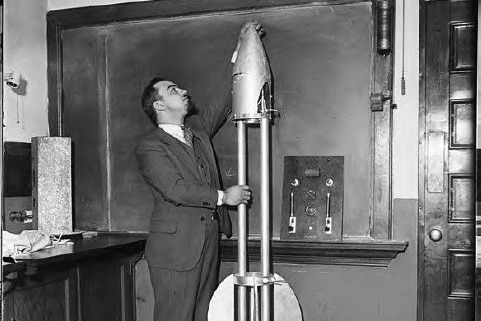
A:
(185, 295)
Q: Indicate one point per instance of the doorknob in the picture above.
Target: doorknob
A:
(435, 235)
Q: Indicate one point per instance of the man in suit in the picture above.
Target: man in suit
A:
(177, 161)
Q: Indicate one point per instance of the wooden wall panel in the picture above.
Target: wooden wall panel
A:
(463, 46)
(460, 309)
(51, 297)
(101, 292)
(461, 277)
(461, 125)
(461, 199)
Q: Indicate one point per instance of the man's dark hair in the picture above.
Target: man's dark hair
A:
(149, 96)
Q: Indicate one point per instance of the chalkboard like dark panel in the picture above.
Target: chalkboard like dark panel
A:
(323, 49)
(17, 180)
(84, 120)
(317, 55)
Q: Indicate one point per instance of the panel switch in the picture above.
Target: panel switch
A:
(328, 228)
(292, 218)
(292, 224)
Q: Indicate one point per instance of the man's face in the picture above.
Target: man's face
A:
(174, 100)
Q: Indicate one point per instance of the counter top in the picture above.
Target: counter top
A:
(80, 249)
(348, 252)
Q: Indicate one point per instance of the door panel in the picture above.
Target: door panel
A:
(448, 191)
(462, 125)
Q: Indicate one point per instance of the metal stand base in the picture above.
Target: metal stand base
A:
(253, 279)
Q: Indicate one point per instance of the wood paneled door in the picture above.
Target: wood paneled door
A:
(446, 193)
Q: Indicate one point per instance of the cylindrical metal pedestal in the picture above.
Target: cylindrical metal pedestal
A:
(265, 220)
(242, 213)
(263, 279)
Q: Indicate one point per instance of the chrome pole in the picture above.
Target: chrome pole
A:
(265, 223)
(242, 217)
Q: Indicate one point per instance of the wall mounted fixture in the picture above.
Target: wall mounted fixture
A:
(12, 79)
(384, 27)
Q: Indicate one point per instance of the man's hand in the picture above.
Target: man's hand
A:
(237, 194)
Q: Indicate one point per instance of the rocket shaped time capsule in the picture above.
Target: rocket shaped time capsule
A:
(251, 95)
(251, 89)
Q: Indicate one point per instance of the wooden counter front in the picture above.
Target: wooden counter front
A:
(91, 279)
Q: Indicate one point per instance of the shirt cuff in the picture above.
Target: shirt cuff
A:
(220, 196)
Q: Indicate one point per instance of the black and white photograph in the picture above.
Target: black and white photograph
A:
(240, 160)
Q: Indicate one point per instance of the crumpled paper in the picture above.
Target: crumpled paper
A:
(26, 242)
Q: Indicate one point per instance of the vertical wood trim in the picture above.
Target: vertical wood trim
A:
(78, 294)
(381, 122)
(103, 85)
(436, 205)
(129, 296)
(133, 285)
(421, 155)
(68, 299)
(477, 139)
(1, 157)
(382, 218)
(123, 292)
(477, 136)
(71, 295)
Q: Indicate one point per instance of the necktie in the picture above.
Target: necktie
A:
(188, 136)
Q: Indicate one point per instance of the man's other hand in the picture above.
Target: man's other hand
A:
(237, 194)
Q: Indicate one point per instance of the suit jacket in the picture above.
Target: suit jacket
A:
(183, 201)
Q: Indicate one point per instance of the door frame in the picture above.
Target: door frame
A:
(422, 150)
(422, 158)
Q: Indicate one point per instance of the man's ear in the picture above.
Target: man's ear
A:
(158, 105)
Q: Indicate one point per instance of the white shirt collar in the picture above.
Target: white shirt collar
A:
(173, 130)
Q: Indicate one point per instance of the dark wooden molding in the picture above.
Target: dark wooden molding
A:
(54, 77)
(359, 253)
(123, 12)
(422, 160)
(382, 79)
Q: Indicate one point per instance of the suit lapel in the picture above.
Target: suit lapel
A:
(186, 158)
(204, 139)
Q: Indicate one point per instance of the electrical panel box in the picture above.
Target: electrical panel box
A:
(312, 198)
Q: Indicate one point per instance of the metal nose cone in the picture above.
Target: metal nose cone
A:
(251, 75)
